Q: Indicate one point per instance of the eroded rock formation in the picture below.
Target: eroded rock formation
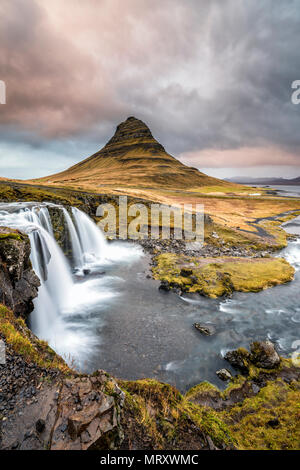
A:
(18, 282)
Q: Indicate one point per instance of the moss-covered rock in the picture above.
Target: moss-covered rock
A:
(268, 420)
(214, 277)
(168, 420)
(18, 282)
(22, 341)
(261, 407)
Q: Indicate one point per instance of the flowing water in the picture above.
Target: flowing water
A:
(101, 311)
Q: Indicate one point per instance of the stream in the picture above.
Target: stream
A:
(99, 310)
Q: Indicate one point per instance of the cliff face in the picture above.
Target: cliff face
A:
(18, 282)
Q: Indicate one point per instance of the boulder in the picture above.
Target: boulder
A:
(96, 426)
(239, 359)
(165, 286)
(224, 374)
(185, 272)
(204, 330)
(264, 354)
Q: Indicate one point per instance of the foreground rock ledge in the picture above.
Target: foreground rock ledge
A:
(74, 414)
(62, 410)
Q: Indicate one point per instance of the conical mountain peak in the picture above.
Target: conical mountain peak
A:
(133, 132)
(132, 157)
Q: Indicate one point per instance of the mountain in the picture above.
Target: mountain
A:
(133, 157)
(264, 181)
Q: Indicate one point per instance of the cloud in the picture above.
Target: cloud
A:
(212, 79)
(240, 157)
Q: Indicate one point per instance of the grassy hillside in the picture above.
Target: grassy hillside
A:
(133, 158)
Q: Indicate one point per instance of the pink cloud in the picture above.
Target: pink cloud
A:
(241, 157)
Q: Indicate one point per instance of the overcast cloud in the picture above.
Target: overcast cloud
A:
(211, 78)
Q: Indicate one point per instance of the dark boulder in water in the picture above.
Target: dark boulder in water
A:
(263, 355)
(205, 330)
(224, 374)
(239, 359)
(165, 286)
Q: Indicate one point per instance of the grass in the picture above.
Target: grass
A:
(214, 277)
(132, 157)
(251, 424)
(229, 215)
(165, 414)
(12, 235)
(18, 336)
(267, 421)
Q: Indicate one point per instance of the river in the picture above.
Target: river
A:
(102, 311)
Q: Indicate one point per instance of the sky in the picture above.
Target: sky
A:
(211, 78)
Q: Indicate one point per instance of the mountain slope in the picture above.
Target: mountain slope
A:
(264, 181)
(132, 157)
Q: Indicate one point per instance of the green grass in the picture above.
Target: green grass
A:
(214, 277)
(249, 423)
(23, 342)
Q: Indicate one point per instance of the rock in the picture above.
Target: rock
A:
(57, 424)
(224, 374)
(205, 330)
(165, 286)
(264, 354)
(238, 359)
(255, 388)
(86, 271)
(186, 272)
(18, 282)
(40, 425)
(273, 423)
(96, 426)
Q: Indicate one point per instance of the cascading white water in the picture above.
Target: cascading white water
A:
(54, 293)
(45, 219)
(49, 263)
(91, 238)
(64, 304)
(75, 242)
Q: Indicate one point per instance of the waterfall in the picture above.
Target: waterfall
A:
(91, 238)
(39, 216)
(75, 242)
(59, 294)
(87, 241)
(67, 305)
(57, 285)
(45, 219)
